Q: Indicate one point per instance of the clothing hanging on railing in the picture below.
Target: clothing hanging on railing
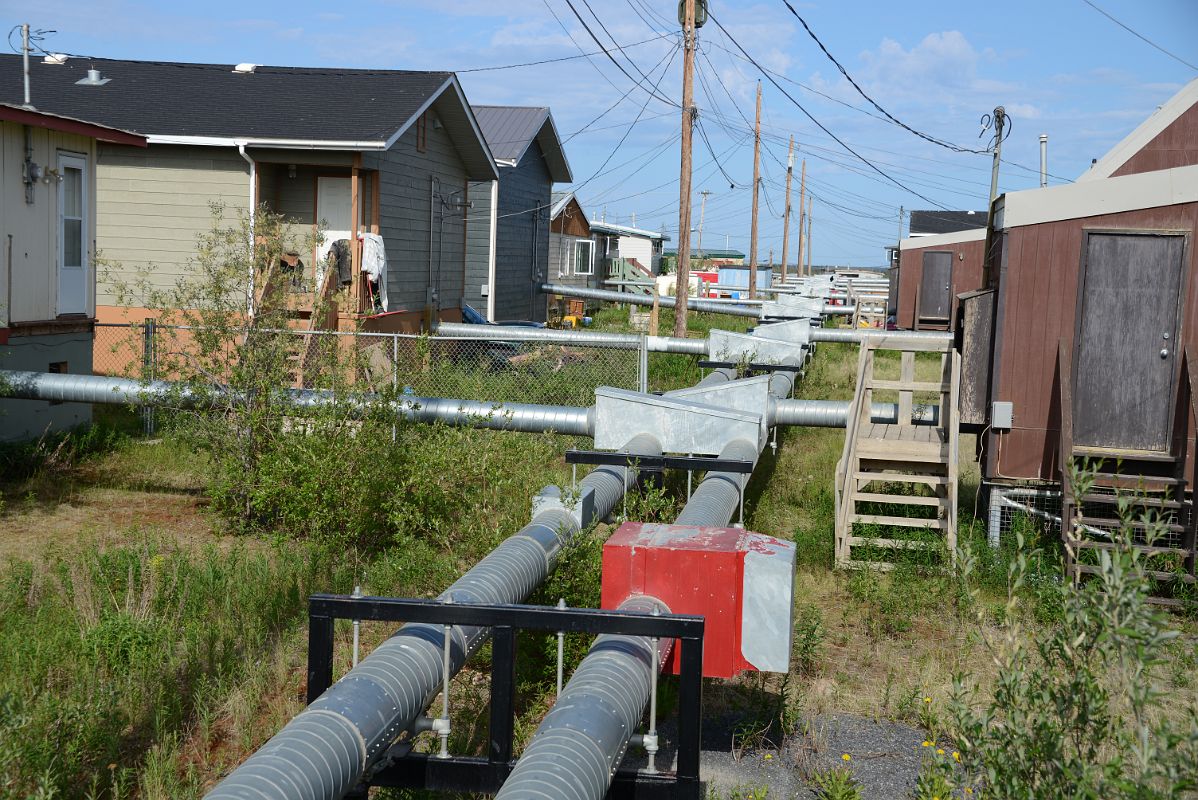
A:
(374, 266)
(341, 259)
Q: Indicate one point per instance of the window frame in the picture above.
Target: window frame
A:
(590, 259)
(82, 162)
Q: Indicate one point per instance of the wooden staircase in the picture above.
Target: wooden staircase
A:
(1142, 494)
(895, 479)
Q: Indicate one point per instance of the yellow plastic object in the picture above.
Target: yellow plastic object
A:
(571, 321)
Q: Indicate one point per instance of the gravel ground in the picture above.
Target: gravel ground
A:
(885, 758)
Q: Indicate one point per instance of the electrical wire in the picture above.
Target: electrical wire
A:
(653, 92)
(1141, 37)
(819, 124)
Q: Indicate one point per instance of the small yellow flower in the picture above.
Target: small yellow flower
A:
(968, 790)
(927, 699)
(939, 751)
(956, 756)
(769, 756)
(846, 757)
(926, 743)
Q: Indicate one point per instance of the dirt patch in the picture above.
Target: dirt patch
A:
(107, 517)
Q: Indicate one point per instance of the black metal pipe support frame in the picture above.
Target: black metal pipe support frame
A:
(403, 768)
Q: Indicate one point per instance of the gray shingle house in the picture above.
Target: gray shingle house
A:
(508, 233)
(383, 152)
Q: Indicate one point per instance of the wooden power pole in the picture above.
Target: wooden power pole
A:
(790, 168)
(802, 213)
(684, 189)
(756, 187)
(809, 236)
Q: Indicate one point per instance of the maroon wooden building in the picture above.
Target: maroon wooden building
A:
(933, 271)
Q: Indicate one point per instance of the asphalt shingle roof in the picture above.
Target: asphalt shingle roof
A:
(930, 222)
(181, 99)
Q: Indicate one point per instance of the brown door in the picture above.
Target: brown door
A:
(1125, 356)
(935, 286)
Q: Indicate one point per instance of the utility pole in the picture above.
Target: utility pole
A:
(790, 169)
(1000, 121)
(702, 211)
(899, 242)
(802, 217)
(684, 182)
(756, 187)
(808, 235)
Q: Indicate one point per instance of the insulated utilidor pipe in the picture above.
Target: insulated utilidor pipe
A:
(858, 335)
(715, 501)
(616, 341)
(581, 741)
(328, 747)
(524, 417)
(835, 413)
(645, 300)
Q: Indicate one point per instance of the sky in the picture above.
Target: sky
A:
(1058, 67)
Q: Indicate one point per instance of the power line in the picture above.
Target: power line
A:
(613, 60)
(1140, 36)
(819, 124)
(872, 102)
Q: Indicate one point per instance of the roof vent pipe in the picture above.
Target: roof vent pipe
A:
(93, 79)
(246, 68)
(55, 58)
(1043, 160)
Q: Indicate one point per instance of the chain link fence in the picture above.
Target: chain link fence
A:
(429, 366)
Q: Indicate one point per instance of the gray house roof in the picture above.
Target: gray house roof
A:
(511, 130)
(214, 104)
(925, 223)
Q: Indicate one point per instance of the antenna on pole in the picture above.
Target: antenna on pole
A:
(25, 60)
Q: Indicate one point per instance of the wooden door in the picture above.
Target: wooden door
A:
(936, 286)
(1126, 350)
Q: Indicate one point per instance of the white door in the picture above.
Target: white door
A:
(73, 268)
(332, 212)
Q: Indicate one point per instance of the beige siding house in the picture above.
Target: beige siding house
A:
(47, 249)
(390, 156)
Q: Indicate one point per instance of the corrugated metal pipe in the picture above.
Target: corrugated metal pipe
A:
(331, 745)
(581, 742)
(664, 301)
(835, 413)
(858, 335)
(615, 341)
(525, 417)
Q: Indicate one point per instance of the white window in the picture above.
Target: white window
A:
(584, 257)
(73, 268)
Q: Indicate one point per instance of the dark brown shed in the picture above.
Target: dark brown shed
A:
(932, 271)
(1106, 271)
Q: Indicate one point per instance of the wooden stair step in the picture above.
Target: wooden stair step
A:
(1115, 476)
(898, 499)
(922, 452)
(1099, 454)
(908, 386)
(890, 544)
(1099, 521)
(904, 522)
(1153, 550)
(903, 477)
(1087, 569)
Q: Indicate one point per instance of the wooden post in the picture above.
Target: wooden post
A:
(684, 181)
(756, 186)
(790, 169)
(374, 201)
(802, 214)
(355, 249)
(808, 235)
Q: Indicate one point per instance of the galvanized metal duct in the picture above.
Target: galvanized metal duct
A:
(835, 413)
(664, 301)
(580, 743)
(328, 747)
(858, 335)
(526, 417)
(618, 341)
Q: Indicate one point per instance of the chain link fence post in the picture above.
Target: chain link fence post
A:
(642, 372)
(394, 378)
(149, 333)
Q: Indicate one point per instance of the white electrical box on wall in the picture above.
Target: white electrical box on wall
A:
(486, 290)
(1002, 415)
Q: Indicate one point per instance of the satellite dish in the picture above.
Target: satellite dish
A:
(700, 13)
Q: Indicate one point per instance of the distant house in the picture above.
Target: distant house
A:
(386, 152)
(707, 259)
(48, 233)
(940, 259)
(572, 260)
(508, 250)
(627, 253)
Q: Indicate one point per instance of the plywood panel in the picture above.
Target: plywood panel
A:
(967, 276)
